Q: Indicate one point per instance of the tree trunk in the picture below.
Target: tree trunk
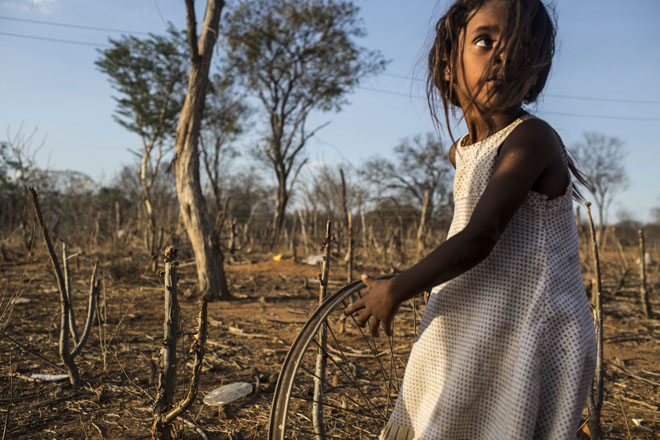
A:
(208, 256)
(281, 200)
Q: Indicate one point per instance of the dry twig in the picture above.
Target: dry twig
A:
(643, 294)
(595, 403)
(319, 372)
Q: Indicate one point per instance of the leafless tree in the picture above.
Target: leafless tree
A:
(18, 169)
(655, 214)
(322, 190)
(67, 315)
(601, 159)
(419, 165)
(223, 122)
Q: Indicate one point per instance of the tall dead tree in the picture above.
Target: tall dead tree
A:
(212, 282)
(67, 316)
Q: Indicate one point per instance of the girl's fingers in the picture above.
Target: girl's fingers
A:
(357, 305)
(387, 326)
(363, 318)
(367, 280)
(373, 325)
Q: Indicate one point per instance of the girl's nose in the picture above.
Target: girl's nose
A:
(499, 61)
(499, 57)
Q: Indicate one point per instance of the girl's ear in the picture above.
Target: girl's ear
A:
(447, 73)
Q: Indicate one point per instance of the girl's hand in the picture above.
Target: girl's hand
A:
(378, 307)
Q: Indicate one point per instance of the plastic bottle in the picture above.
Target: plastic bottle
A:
(228, 393)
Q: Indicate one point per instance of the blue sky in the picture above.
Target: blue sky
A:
(605, 78)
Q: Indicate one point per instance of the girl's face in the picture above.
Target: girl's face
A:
(476, 80)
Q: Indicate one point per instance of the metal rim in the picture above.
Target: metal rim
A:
(285, 381)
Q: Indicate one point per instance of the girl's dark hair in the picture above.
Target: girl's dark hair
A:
(529, 34)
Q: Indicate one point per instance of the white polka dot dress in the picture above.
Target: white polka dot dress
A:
(507, 349)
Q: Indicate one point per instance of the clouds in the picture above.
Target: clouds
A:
(44, 7)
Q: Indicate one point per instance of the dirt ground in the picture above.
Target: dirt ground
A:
(248, 340)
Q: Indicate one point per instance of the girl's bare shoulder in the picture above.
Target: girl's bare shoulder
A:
(539, 145)
(537, 134)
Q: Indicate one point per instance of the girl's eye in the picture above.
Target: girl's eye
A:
(484, 42)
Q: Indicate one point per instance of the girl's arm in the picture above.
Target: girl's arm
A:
(528, 153)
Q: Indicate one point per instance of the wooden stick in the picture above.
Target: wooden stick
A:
(319, 372)
(67, 285)
(643, 294)
(94, 287)
(344, 202)
(11, 396)
(167, 375)
(422, 226)
(198, 350)
(620, 253)
(365, 239)
(640, 403)
(349, 262)
(349, 268)
(635, 376)
(595, 403)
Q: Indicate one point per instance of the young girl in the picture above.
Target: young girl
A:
(506, 348)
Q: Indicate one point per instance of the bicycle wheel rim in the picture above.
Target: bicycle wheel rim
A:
(291, 364)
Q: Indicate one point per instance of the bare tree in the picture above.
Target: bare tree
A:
(420, 164)
(296, 57)
(18, 169)
(655, 214)
(601, 159)
(67, 315)
(323, 191)
(224, 115)
(212, 282)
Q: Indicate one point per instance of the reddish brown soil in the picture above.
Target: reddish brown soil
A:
(272, 301)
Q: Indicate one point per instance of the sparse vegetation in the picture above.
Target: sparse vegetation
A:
(384, 218)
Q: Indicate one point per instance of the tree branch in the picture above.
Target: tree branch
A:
(67, 285)
(192, 30)
(93, 294)
(198, 350)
